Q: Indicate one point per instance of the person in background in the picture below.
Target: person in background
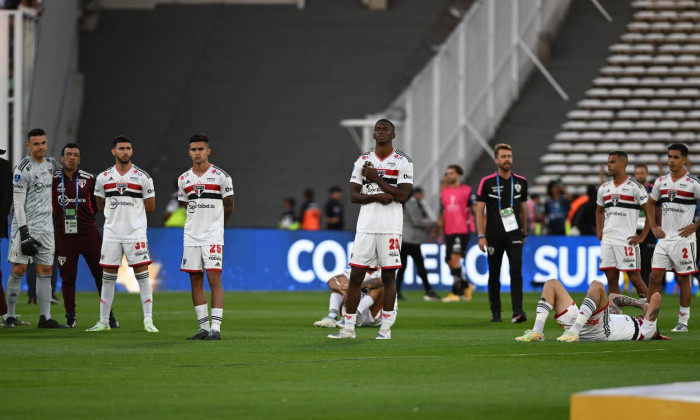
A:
(310, 213)
(288, 219)
(333, 213)
(418, 220)
(556, 208)
(646, 248)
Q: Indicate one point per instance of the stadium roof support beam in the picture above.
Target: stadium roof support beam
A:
(602, 10)
(552, 81)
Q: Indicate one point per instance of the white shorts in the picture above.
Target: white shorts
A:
(622, 257)
(43, 257)
(136, 253)
(376, 249)
(196, 259)
(596, 329)
(678, 256)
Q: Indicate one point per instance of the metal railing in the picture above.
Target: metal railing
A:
(454, 105)
(18, 41)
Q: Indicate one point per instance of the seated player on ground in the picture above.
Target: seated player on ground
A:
(369, 311)
(599, 319)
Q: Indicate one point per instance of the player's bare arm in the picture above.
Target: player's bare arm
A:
(481, 225)
(599, 221)
(338, 283)
(638, 239)
(651, 219)
(622, 300)
(400, 193)
(228, 208)
(100, 204)
(149, 204)
(373, 283)
(357, 197)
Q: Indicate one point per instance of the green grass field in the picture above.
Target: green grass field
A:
(444, 361)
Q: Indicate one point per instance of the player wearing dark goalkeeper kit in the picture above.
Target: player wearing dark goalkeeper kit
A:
(32, 238)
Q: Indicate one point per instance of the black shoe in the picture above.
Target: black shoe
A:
(517, 319)
(50, 323)
(496, 318)
(201, 334)
(399, 296)
(213, 335)
(71, 321)
(11, 322)
(113, 323)
(430, 295)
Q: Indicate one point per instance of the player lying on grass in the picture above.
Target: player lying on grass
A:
(369, 310)
(599, 319)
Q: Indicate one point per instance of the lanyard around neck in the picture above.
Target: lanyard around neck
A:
(498, 190)
(63, 190)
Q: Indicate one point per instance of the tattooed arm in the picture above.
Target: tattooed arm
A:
(622, 300)
(373, 283)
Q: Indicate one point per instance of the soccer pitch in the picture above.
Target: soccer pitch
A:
(445, 360)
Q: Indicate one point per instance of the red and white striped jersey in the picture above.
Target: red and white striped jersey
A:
(678, 199)
(622, 205)
(397, 168)
(204, 195)
(125, 215)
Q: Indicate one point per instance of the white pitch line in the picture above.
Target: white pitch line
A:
(575, 352)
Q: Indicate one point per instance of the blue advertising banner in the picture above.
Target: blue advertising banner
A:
(270, 259)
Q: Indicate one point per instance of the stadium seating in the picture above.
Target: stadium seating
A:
(646, 97)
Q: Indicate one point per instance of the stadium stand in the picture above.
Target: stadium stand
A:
(646, 97)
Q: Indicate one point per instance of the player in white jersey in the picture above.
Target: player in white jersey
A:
(677, 193)
(31, 238)
(369, 309)
(208, 192)
(617, 212)
(381, 181)
(598, 319)
(125, 194)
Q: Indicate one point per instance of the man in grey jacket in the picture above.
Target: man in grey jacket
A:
(418, 220)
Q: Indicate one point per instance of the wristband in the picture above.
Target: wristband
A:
(482, 236)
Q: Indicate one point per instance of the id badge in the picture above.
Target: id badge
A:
(70, 221)
(509, 222)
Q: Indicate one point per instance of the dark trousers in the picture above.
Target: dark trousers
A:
(68, 251)
(514, 250)
(414, 251)
(646, 251)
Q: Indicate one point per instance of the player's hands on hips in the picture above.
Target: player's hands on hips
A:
(658, 232)
(634, 240)
(688, 230)
(29, 245)
(483, 244)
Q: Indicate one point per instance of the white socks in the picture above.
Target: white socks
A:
(364, 304)
(587, 309)
(146, 295)
(334, 305)
(109, 281)
(388, 319)
(202, 312)
(216, 315)
(543, 310)
(683, 315)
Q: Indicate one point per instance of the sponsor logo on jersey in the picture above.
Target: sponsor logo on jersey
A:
(122, 187)
(133, 178)
(114, 203)
(38, 187)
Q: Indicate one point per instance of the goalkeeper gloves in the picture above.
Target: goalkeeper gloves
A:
(29, 244)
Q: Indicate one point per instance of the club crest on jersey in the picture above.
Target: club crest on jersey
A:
(199, 189)
(61, 260)
(122, 187)
(517, 187)
(615, 198)
(81, 183)
(672, 194)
